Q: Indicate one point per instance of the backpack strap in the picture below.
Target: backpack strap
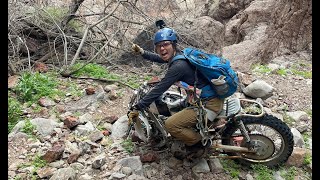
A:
(181, 56)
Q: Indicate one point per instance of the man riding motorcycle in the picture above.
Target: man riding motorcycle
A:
(180, 124)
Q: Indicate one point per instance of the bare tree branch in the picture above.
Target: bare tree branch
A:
(86, 33)
(72, 10)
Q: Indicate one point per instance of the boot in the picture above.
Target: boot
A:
(196, 150)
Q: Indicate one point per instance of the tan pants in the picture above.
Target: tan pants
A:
(180, 124)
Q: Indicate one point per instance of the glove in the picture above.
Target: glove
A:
(133, 114)
(137, 49)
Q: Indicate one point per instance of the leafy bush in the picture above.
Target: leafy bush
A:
(262, 69)
(28, 127)
(307, 159)
(289, 174)
(264, 173)
(93, 70)
(55, 14)
(33, 86)
(14, 113)
(282, 72)
(128, 145)
(134, 79)
(305, 74)
(231, 167)
(37, 162)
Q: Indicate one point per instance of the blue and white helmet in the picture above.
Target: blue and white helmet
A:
(165, 34)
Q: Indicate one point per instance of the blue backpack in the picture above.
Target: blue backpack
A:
(216, 69)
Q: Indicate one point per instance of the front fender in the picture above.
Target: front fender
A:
(143, 128)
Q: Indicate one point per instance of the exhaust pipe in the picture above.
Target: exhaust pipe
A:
(228, 148)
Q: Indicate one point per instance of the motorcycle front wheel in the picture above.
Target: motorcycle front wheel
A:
(271, 138)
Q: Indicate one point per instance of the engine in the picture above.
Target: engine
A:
(168, 103)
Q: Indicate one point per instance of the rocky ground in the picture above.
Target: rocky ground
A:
(70, 136)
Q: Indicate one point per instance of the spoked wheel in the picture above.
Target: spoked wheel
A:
(271, 139)
(149, 133)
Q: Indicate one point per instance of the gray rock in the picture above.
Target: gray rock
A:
(120, 128)
(116, 175)
(302, 127)
(249, 177)
(174, 162)
(136, 177)
(85, 118)
(126, 170)
(111, 87)
(46, 172)
(77, 166)
(215, 165)
(277, 115)
(258, 89)
(309, 142)
(277, 176)
(297, 157)
(201, 167)
(207, 40)
(99, 161)
(17, 128)
(86, 101)
(133, 162)
(46, 102)
(45, 126)
(108, 126)
(273, 66)
(83, 130)
(297, 137)
(238, 54)
(13, 136)
(84, 147)
(64, 173)
(57, 164)
(85, 177)
(71, 147)
(95, 136)
(297, 115)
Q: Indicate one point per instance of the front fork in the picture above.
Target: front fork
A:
(245, 133)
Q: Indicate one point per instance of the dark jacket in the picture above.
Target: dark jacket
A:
(178, 70)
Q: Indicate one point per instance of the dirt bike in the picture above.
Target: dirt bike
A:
(242, 131)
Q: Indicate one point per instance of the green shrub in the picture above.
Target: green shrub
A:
(289, 174)
(287, 119)
(93, 70)
(56, 14)
(282, 72)
(28, 127)
(305, 74)
(128, 145)
(33, 86)
(231, 167)
(37, 162)
(307, 159)
(264, 173)
(262, 69)
(14, 113)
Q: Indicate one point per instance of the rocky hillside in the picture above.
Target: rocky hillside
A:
(83, 136)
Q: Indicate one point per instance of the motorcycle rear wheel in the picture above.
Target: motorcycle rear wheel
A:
(273, 139)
